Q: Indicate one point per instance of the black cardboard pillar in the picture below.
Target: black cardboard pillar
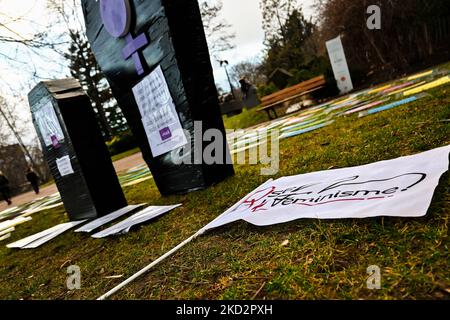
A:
(67, 128)
(176, 43)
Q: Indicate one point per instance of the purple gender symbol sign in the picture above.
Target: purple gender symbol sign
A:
(116, 17)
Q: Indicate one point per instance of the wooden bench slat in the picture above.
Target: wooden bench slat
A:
(297, 87)
(290, 94)
(290, 98)
(303, 86)
(270, 102)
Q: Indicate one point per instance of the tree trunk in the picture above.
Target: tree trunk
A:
(427, 39)
(375, 47)
(106, 128)
(19, 139)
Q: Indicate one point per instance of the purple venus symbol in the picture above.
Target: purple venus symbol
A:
(116, 17)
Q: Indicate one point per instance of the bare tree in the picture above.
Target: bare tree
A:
(12, 123)
(8, 35)
(251, 70)
(24, 46)
(218, 31)
(84, 67)
(49, 43)
(21, 53)
(275, 16)
(18, 54)
(413, 32)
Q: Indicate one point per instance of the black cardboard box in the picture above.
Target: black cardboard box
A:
(177, 44)
(75, 150)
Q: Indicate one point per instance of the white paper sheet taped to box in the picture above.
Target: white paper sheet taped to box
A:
(159, 116)
(48, 122)
(64, 166)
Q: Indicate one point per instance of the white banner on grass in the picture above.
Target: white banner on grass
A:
(401, 187)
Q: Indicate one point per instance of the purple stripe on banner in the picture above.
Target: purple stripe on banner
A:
(365, 107)
(400, 86)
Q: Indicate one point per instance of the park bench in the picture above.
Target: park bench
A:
(278, 99)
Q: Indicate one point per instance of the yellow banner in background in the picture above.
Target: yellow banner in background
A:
(428, 86)
(407, 88)
(420, 75)
(380, 89)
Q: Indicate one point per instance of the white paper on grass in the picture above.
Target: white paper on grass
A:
(12, 223)
(8, 211)
(4, 237)
(21, 243)
(402, 187)
(159, 117)
(339, 65)
(63, 228)
(40, 208)
(97, 223)
(48, 122)
(138, 218)
(64, 166)
(6, 231)
(43, 237)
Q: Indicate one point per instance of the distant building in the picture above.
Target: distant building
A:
(14, 164)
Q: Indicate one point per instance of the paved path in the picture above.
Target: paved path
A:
(120, 166)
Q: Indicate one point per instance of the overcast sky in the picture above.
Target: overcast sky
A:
(246, 20)
(22, 68)
(19, 76)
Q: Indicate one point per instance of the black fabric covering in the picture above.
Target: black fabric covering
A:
(93, 190)
(178, 44)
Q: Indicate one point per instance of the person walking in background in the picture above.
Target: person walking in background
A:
(245, 87)
(4, 188)
(33, 179)
(249, 94)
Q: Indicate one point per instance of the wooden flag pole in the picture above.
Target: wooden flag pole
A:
(151, 265)
(171, 252)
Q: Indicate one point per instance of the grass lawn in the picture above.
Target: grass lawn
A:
(125, 154)
(48, 183)
(246, 119)
(322, 260)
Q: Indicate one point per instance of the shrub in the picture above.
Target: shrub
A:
(267, 89)
(122, 143)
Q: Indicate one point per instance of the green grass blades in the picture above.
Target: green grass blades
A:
(306, 259)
